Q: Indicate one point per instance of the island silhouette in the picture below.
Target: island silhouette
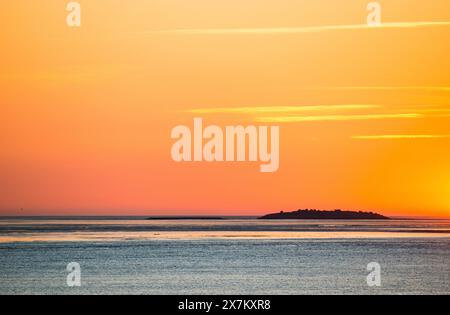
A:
(313, 214)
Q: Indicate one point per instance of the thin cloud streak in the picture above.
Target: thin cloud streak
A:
(384, 88)
(296, 119)
(297, 30)
(435, 110)
(278, 109)
(400, 137)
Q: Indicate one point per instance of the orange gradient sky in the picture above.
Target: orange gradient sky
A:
(86, 113)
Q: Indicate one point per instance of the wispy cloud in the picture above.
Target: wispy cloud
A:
(324, 113)
(435, 110)
(294, 119)
(279, 109)
(400, 137)
(383, 88)
(297, 30)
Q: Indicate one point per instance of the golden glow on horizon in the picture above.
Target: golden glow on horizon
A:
(208, 235)
(86, 113)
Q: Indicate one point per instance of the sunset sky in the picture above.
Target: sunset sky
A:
(86, 113)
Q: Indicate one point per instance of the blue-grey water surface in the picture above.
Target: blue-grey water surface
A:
(226, 262)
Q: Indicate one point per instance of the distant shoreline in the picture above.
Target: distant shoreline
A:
(175, 218)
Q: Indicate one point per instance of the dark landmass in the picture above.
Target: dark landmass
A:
(184, 218)
(324, 215)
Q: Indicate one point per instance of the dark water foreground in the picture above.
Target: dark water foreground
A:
(297, 266)
(233, 256)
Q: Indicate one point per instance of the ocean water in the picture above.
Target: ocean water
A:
(235, 256)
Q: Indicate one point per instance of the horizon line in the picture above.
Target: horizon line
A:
(212, 216)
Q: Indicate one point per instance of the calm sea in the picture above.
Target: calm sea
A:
(232, 256)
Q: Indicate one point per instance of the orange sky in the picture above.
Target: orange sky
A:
(86, 113)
